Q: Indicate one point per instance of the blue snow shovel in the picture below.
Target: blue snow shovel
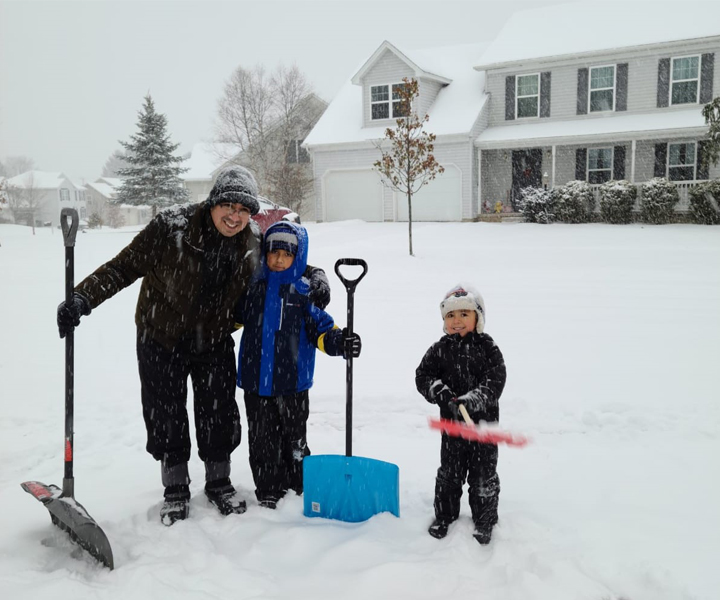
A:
(349, 488)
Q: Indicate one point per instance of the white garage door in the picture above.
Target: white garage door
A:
(439, 200)
(353, 195)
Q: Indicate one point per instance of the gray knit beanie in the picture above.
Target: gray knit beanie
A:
(235, 185)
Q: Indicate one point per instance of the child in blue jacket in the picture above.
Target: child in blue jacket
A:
(276, 361)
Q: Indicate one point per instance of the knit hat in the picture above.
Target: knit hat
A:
(281, 237)
(236, 185)
(464, 297)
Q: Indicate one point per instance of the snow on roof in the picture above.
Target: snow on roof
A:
(103, 188)
(37, 179)
(635, 126)
(205, 158)
(584, 27)
(114, 182)
(454, 111)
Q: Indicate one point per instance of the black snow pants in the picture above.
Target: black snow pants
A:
(461, 459)
(277, 442)
(163, 380)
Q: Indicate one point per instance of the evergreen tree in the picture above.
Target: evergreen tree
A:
(409, 163)
(153, 175)
(711, 112)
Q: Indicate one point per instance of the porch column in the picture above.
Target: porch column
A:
(552, 178)
(479, 168)
(632, 161)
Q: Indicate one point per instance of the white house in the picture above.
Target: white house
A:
(572, 91)
(100, 195)
(41, 196)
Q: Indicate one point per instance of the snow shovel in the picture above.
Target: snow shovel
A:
(66, 512)
(349, 488)
(484, 434)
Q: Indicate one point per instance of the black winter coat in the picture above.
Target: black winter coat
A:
(472, 365)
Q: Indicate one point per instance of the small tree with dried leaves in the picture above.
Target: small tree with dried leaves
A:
(409, 162)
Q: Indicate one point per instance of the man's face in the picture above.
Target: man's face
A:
(230, 219)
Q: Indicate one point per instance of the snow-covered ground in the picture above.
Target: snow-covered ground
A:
(611, 336)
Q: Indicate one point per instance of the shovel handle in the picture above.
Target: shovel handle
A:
(465, 415)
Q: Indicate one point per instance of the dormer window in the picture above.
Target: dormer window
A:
(380, 102)
(685, 80)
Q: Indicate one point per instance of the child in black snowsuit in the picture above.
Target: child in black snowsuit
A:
(276, 360)
(464, 367)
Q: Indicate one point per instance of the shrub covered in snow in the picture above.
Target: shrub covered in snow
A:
(573, 202)
(659, 197)
(536, 205)
(704, 203)
(617, 199)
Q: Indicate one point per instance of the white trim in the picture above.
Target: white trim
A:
(390, 101)
(667, 160)
(517, 95)
(671, 81)
(417, 70)
(633, 146)
(613, 88)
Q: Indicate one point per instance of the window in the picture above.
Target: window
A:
(296, 153)
(599, 165)
(681, 161)
(64, 195)
(685, 80)
(380, 102)
(528, 95)
(602, 88)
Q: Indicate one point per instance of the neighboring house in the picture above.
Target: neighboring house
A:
(42, 195)
(572, 91)
(343, 143)
(203, 164)
(100, 196)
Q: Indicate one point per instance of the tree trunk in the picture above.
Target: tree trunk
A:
(409, 197)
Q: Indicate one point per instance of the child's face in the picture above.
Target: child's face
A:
(279, 260)
(461, 321)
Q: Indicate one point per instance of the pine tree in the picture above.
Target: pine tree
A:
(153, 176)
(409, 163)
(711, 112)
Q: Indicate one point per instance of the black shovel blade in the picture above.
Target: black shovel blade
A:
(69, 515)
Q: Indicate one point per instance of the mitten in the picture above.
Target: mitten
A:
(69, 313)
(352, 344)
(474, 401)
(319, 288)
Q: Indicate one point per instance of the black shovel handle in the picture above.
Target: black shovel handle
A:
(69, 224)
(350, 285)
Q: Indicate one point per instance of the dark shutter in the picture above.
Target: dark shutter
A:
(510, 97)
(619, 162)
(663, 84)
(706, 78)
(545, 94)
(582, 92)
(581, 164)
(702, 166)
(621, 89)
(660, 160)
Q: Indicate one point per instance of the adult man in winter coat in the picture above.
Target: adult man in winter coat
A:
(195, 262)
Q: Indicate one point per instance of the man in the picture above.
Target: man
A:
(195, 262)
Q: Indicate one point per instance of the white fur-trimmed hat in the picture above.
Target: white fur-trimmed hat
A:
(465, 297)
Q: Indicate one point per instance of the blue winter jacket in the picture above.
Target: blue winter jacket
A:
(282, 328)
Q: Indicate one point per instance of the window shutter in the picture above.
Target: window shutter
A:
(706, 78)
(581, 164)
(621, 88)
(702, 168)
(545, 94)
(663, 84)
(660, 160)
(619, 162)
(510, 97)
(582, 92)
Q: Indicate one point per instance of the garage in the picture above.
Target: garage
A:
(439, 200)
(353, 194)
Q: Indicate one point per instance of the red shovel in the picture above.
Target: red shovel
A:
(484, 434)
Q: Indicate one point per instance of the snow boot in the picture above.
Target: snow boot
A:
(176, 506)
(483, 535)
(439, 528)
(223, 495)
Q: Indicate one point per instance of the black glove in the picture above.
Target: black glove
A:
(69, 313)
(319, 288)
(352, 344)
(474, 401)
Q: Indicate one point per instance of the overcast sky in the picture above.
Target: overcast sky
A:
(73, 74)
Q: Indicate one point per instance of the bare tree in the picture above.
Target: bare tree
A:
(409, 163)
(16, 165)
(116, 161)
(26, 201)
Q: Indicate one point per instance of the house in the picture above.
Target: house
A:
(40, 196)
(203, 165)
(571, 91)
(100, 196)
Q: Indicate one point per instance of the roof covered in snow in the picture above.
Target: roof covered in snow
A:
(205, 158)
(103, 188)
(588, 27)
(38, 179)
(634, 126)
(454, 111)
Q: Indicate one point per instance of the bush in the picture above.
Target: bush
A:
(95, 221)
(573, 202)
(704, 201)
(536, 205)
(617, 200)
(659, 197)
